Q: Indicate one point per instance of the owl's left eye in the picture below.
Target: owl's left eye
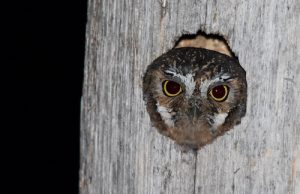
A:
(171, 88)
(219, 93)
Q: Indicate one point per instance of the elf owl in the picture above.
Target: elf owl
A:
(194, 95)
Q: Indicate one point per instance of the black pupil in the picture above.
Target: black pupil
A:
(218, 91)
(172, 87)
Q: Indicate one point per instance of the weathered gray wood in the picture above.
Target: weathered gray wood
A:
(122, 153)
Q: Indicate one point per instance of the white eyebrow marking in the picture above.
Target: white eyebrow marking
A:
(165, 114)
(206, 83)
(188, 81)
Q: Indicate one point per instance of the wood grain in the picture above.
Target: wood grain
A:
(122, 153)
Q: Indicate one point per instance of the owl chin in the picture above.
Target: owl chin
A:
(190, 128)
(193, 140)
(193, 136)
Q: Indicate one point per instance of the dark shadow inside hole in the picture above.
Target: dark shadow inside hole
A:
(190, 40)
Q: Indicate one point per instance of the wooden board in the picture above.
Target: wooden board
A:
(122, 153)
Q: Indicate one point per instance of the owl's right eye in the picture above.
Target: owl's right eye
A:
(171, 88)
(219, 93)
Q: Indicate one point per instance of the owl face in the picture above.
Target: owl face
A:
(194, 95)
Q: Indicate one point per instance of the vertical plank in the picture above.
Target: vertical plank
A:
(122, 153)
(259, 155)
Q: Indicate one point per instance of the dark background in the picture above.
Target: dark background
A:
(45, 60)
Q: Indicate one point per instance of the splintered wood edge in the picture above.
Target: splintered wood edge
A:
(207, 43)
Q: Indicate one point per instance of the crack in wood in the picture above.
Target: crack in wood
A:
(195, 175)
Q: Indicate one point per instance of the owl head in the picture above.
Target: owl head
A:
(194, 95)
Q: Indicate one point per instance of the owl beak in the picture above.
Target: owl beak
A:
(195, 112)
(194, 107)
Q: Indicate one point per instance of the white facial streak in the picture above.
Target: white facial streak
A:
(218, 120)
(165, 114)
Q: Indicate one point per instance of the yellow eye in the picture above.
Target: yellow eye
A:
(219, 93)
(171, 88)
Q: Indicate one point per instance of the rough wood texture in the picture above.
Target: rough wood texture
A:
(121, 153)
